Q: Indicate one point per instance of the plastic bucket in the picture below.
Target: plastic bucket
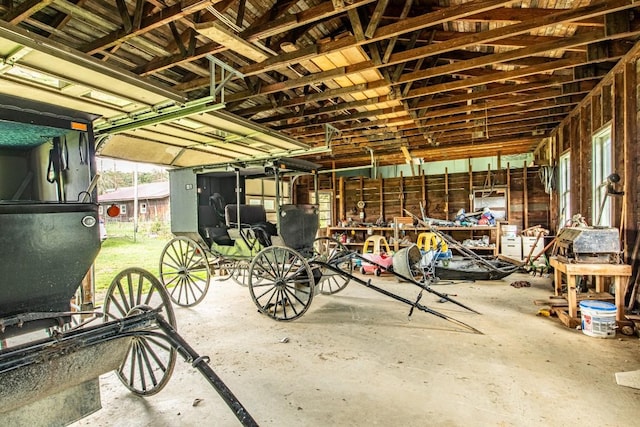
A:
(598, 318)
(509, 230)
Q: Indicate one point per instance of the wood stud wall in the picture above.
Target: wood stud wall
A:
(613, 102)
(441, 195)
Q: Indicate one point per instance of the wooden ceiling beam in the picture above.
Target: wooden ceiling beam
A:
(291, 21)
(25, 10)
(416, 137)
(376, 17)
(445, 15)
(596, 35)
(161, 18)
(438, 122)
(505, 146)
(519, 14)
(406, 26)
(393, 40)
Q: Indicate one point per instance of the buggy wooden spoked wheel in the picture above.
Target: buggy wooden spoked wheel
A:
(150, 360)
(185, 271)
(240, 272)
(329, 251)
(281, 283)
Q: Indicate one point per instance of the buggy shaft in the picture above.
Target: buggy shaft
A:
(200, 363)
(413, 281)
(396, 297)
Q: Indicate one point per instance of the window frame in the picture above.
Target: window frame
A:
(564, 188)
(325, 207)
(602, 167)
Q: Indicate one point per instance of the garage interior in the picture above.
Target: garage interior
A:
(416, 112)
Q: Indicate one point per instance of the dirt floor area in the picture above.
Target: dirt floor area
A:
(355, 359)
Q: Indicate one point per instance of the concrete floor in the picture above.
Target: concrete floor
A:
(355, 360)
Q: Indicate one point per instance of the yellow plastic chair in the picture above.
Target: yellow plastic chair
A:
(428, 241)
(378, 245)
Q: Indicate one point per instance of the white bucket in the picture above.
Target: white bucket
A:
(509, 230)
(598, 318)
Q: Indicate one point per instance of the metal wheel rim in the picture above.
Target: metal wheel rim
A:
(149, 362)
(281, 283)
(326, 249)
(184, 271)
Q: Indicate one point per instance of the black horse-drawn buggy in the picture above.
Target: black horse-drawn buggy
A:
(279, 257)
(52, 351)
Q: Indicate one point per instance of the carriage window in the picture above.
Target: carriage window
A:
(325, 199)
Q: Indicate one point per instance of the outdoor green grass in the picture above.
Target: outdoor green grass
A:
(120, 250)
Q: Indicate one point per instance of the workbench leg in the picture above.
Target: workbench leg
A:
(572, 297)
(619, 283)
(599, 283)
(557, 281)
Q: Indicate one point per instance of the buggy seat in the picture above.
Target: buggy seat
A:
(253, 234)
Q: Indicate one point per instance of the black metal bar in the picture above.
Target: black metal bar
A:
(200, 363)
(415, 282)
(413, 304)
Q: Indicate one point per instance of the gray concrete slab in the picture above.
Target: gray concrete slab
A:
(355, 360)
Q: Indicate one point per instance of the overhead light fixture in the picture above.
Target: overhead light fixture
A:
(108, 98)
(35, 76)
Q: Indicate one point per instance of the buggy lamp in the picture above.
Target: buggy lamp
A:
(113, 211)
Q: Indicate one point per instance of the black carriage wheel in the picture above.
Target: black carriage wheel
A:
(240, 273)
(184, 271)
(328, 250)
(281, 283)
(149, 362)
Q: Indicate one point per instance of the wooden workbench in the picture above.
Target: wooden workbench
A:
(619, 272)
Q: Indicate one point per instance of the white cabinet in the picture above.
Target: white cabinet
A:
(528, 243)
(511, 247)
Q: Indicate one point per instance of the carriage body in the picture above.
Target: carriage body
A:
(49, 238)
(48, 214)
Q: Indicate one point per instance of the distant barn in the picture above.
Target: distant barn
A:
(153, 202)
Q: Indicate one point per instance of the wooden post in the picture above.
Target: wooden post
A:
(381, 189)
(446, 193)
(335, 213)
(424, 191)
(470, 187)
(508, 192)
(87, 303)
(342, 199)
(361, 182)
(525, 197)
(630, 156)
(401, 194)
